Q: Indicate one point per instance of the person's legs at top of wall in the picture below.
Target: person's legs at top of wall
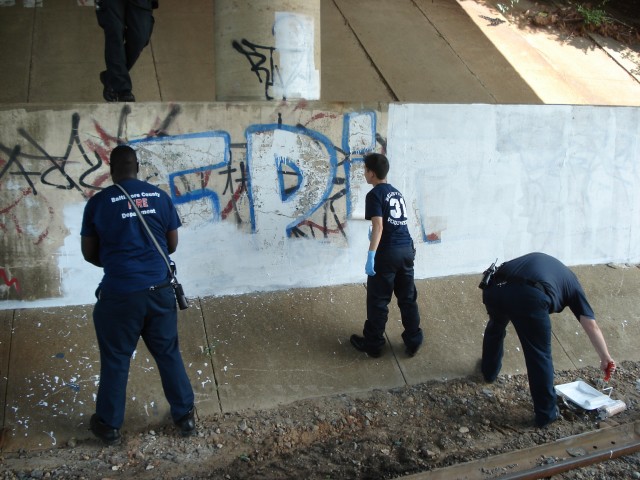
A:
(127, 26)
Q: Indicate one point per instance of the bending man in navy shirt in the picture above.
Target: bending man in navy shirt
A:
(525, 291)
(135, 298)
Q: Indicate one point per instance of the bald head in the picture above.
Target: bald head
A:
(123, 162)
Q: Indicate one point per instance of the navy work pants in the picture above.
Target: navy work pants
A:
(527, 308)
(127, 26)
(120, 320)
(394, 275)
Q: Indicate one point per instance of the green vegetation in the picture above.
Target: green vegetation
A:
(594, 16)
(505, 7)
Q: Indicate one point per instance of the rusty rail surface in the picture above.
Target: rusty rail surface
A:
(545, 460)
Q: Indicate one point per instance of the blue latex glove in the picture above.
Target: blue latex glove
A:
(370, 262)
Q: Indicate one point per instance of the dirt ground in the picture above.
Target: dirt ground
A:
(376, 435)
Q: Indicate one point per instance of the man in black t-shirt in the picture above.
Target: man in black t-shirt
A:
(525, 291)
(389, 265)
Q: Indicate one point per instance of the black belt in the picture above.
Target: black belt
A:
(522, 281)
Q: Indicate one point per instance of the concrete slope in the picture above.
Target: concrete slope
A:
(432, 51)
(561, 68)
(411, 54)
(267, 349)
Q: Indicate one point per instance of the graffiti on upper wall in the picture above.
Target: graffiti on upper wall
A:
(51, 170)
(290, 180)
(29, 168)
(257, 55)
(287, 69)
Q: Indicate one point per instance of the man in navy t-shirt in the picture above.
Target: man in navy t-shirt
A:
(135, 298)
(525, 291)
(389, 265)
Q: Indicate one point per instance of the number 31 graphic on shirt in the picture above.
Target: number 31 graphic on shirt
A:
(398, 209)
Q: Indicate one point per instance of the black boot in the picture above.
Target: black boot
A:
(109, 435)
(360, 344)
(187, 423)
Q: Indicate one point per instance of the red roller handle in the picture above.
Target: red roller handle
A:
(611, 366)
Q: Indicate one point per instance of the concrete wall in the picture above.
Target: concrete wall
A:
(272, 195)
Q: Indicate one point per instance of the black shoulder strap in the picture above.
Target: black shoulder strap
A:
(148, 230)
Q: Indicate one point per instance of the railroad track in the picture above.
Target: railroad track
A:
(546, 460)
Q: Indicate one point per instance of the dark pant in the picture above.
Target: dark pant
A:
(120, 320)
(528, 309)
(394, 275)
(127, 26)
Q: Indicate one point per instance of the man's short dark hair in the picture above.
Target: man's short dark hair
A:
(123, 160)
(378, 164)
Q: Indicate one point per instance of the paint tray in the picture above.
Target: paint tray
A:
(584, 395)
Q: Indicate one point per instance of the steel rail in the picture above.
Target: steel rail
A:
(572, 463)
(559, 456)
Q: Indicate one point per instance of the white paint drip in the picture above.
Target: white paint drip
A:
(53, 438)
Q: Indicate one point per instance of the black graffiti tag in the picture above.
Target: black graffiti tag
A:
(58, 163)
(257, 60)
